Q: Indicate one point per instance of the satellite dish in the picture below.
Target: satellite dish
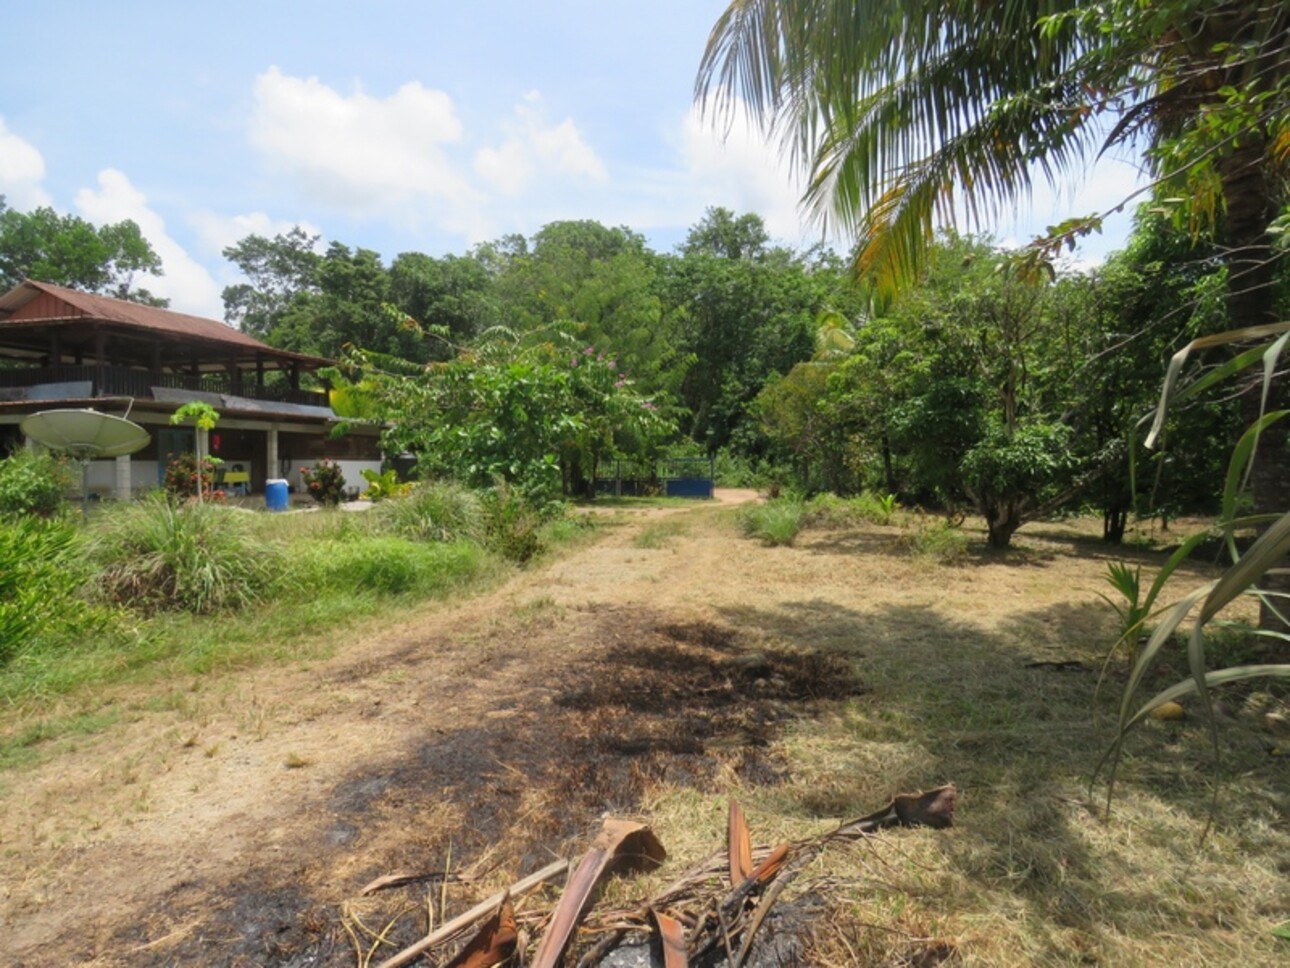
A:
(86, 435)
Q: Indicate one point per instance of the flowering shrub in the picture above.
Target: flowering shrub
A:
(324, 482)
(181, 475)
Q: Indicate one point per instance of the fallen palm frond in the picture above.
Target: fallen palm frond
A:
(719, 904)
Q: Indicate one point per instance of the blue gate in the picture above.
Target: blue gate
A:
(690, 477)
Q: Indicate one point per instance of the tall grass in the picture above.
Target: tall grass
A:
(433, 511)
(776, 522)
(831, 511)
(158, 554)
(386, 565)
(40, 573)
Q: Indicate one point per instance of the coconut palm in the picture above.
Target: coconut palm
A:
(903, 114)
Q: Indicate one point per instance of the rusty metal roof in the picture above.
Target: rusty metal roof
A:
(72, 305)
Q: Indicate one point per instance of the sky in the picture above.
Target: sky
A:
(394, 125)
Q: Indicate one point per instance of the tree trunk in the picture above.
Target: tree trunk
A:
(1251, 274)
(1001, 524)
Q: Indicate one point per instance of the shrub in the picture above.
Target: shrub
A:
(324, 482)
(38, 580)
(157, 555)
(831, 511)
(776, 522)
(32, 484)
(433, 511)
(939, 541)
(384, 484)
(512, 525)
(180, 480)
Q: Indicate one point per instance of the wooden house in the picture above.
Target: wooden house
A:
(60, 348)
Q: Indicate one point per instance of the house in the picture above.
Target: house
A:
(60, 348)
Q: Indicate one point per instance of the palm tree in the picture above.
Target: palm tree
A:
(908, 113)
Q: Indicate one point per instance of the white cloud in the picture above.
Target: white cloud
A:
(187, 284)
(217, 232)
(361, 154)
(534, 148)
(1104, 186)
(739, 169)
(22, 169)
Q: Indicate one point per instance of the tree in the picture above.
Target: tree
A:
(743, 311)
(601, 283)
(539, 416)
(69, 251)
(280, 271)
(455, 292)
(903, 112)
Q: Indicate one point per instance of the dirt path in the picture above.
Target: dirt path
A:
(226, 824)
(232, 820)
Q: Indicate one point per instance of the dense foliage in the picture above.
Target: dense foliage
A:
(32, 483)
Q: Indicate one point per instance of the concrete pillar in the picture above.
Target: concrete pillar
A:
(271, 454)
(121, 490)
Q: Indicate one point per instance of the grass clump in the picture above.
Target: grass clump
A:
(831, 511)
(40, 575)
(774, 523)
(386, 565)
(433, 511)
(938, 541)
(157, 555)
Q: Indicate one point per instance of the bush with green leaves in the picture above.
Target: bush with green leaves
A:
(433, 511)
(187, 477)
(32, 483)
(40, 573)
(324, 482)
(777, 522)
(513, 523)
(383, 484)
(158, 555)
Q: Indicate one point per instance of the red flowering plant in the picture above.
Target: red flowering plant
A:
(324, 482)
(182, 476)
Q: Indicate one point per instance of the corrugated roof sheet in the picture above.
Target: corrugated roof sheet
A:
(105, 308)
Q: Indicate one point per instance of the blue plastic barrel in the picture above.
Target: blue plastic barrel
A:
(275, 494)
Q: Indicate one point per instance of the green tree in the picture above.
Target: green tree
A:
(743, 311)
(69, 251)
(903, 113)
(454, 293)
(602, 283)
(279, 271)
(539, 416)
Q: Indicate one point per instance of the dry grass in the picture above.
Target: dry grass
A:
(658, 677)
(1034, 872)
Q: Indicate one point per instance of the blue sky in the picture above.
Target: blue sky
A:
(398, 126)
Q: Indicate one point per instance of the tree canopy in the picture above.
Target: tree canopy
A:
(69, 251)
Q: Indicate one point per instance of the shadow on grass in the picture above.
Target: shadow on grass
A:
(950, 702)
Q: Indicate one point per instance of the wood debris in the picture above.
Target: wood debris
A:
(717, 906)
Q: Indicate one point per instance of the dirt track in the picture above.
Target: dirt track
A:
(226, 824)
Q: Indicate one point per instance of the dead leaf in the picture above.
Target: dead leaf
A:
(495, 942)
(739, 849)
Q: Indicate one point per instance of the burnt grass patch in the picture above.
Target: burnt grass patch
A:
(641, 702)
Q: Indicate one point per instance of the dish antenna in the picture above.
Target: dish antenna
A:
(85, 435)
